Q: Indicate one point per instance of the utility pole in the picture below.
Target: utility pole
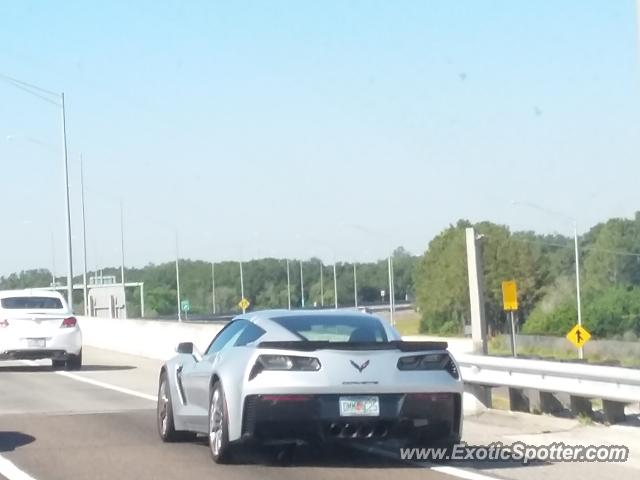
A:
(476, 292)
(53, 261)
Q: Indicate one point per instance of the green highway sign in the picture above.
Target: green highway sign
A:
(185, 306)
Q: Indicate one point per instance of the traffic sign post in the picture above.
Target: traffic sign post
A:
(244, 304)
(185, 306)
(578, 336)
(510, 304)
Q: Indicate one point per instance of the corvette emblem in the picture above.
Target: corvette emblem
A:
(360, 368)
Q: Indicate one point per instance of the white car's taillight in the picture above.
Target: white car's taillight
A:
(4, 323)
(69, 322)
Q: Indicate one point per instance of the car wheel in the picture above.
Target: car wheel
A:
(57, 364)
(164, 413)
(73, 362)
(219, 426)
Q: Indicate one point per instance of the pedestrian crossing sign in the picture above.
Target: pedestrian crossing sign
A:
(578, 335)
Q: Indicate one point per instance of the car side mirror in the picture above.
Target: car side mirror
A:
(185, 347)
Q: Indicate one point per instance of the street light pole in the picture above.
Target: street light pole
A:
(288, 286)
(242, 285)
(579, 306)
(178, 279)
(391, 294)
(321, 284)
(124, 291)
(84, 242)
(67, 207)
(301, 285)
(213, 286)
(335, 286)
(355, 285)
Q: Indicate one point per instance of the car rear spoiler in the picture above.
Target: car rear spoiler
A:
(310, 346)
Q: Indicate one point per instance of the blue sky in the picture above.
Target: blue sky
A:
(271, 128)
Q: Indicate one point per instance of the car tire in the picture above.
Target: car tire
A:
(219, 445)
(73, 362)
(164, 414)
(58, 364)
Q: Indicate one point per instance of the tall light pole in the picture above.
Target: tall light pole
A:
(301, 285)
(335, 286)
(85, 293)
(67, 207)
(355, 285)
(288, 286)
(242, 286)
(40, 93)
(178, 279)
(391, 292)
(321, 284)
(576, 254)
(213, 286)
(124, 290)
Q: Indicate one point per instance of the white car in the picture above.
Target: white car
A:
(37, 324)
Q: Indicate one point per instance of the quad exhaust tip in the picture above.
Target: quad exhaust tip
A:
(354, 430)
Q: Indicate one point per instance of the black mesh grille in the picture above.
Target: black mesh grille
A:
(249, 414)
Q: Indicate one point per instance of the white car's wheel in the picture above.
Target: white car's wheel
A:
(219, 426)
(73, 362)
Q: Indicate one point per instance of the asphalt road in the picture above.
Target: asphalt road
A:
(66, 426)
(99, 424)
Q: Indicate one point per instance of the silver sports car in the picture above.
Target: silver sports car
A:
(293, 377)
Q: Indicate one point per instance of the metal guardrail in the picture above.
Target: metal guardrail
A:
(580, 380)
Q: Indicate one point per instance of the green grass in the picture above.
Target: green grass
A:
(408, 323)
(500, 346)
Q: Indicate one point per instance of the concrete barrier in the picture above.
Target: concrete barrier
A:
(146, 338)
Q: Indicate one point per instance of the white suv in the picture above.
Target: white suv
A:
(38, 324)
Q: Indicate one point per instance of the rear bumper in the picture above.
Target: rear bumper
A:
(422, 418)
(56, 347)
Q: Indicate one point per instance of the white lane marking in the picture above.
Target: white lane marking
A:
(98, 383)
(444, 469)
(459, 472)
(108, 386)
(11, 472)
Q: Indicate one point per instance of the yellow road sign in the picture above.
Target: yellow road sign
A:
(578, 335)
(510, 295)
(244, 304)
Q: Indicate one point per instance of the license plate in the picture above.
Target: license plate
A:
(359, 406)
(36, 343)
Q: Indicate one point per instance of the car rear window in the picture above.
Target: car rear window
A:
(49, 303)
(334, 328)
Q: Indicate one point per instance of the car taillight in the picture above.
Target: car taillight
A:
(431, 361)
(69, 322)
(4, 323)
(284, 363)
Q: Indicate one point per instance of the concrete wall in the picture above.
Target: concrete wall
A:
(147, 338)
